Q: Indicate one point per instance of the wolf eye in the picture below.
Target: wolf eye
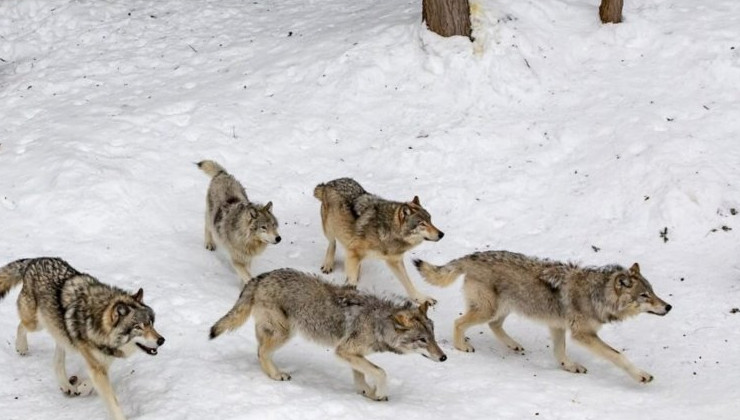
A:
(138, 327)
(644, 295)
(422, 340)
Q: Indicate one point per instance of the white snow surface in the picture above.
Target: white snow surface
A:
(552, 135)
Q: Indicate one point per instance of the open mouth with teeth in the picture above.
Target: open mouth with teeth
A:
(148, 350)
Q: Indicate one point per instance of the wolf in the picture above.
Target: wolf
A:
(242, 227)
(98, 321)
(563, 296)
(369, 226)
(355, 323)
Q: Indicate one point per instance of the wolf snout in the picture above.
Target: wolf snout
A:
(668, 308)
(441, 234)
(442, 358)
(160, 341)
(278, 239)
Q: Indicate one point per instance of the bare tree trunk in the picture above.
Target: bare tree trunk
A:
(447, 17)
(610, 11)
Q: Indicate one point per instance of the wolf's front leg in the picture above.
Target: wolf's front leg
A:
(365, 367)
(99, 375)
(558, 345)
(361, 385)
(242, 269)
(596, 345)
(69, 385)
(398, 268)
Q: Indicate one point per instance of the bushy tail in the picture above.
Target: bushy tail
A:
(239, 314)
(11, 275)
(439, 275)
(318, 192)
(211, 168)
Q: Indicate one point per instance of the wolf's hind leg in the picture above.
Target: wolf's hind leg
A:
(352, 267)
(29, 321)
(270, 338)
(474, 316)
(328, 265)
(497, 326)
(558, 345)
(21, 340)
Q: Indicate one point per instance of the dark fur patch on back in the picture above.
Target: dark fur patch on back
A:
(231, 200)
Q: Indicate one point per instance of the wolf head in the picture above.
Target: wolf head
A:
(263, 224)
(635, 294)
(413, 332)
(132, 325)
(416, 223)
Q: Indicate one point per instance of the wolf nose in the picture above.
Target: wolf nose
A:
(277, 240)
(443, 358)
(160, 341)
(668, 308)
(441, 234)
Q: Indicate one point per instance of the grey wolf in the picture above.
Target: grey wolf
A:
(98, 321)
(353, 322)
(369, 226)
(242, 227)
(563, 296)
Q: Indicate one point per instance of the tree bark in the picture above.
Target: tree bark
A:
(447, 17)
(610, 11)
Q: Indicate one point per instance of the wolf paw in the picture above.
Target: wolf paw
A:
(370, 393)
(210, 246)
(76, 388)
(643, 377)
(281, 376)
(327, 269)
(573, 367)
(84, 387)
(517, 348)
(21, 346)
(465, 346)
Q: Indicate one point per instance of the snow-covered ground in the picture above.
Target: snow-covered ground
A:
(553, 135)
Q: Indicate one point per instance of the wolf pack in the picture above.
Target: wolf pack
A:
(102, 322)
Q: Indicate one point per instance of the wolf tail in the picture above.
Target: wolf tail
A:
(239, 314)
(440, 275)
(318, 192)
(211, 168)
(11, 275)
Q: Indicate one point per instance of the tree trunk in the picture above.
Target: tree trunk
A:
(447, 17)
(610, 11)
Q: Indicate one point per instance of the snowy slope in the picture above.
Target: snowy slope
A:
(553, 135)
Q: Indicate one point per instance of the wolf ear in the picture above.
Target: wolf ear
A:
(635, 269)
(118, 311)
(416, 200)
(139, 296)
(404, 212)
(623, 280)
(268, 206)
(401, 320)
(423, 308)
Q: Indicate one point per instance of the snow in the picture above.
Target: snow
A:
(552, 135)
